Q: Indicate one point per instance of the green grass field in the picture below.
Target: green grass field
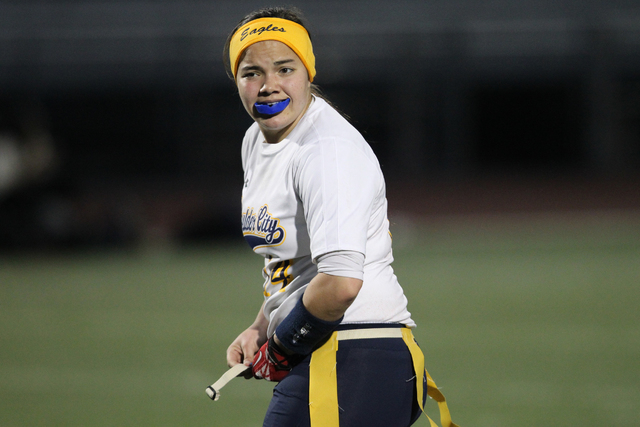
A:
(524, 322)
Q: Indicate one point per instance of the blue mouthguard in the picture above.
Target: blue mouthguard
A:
(272, 107)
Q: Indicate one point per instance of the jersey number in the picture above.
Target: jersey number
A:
(280, 276)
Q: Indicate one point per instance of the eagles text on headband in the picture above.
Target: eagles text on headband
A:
(288, 32)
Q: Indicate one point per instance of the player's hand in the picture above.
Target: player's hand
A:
(272, 363)
(244, 347)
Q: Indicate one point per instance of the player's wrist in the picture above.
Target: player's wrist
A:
(280, 347)
(280, 357)
(301, 332)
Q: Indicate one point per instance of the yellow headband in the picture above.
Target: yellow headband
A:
(288, 32)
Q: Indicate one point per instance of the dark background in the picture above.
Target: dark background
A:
(119, 126)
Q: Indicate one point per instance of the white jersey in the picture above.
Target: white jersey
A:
(319, 190)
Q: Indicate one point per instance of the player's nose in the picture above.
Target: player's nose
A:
(269, 85)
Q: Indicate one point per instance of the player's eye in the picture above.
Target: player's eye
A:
(249, 72)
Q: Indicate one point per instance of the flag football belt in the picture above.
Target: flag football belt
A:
(323, 384)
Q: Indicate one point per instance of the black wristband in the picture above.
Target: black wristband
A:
(301, 331)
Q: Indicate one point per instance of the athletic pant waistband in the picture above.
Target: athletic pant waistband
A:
(369, 330)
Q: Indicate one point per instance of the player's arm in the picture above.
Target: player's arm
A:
(336, 286)
(314, 317)
(328, 297)
(247, 344)
(324, 302)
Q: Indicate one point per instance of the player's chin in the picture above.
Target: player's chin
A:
(274, 123)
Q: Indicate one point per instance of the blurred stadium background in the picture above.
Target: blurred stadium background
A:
(509, 134)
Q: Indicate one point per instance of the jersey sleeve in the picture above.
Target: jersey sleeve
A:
(336, 182)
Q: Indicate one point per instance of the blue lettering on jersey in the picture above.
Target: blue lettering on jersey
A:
(261, 229)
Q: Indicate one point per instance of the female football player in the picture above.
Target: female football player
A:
(333, 329)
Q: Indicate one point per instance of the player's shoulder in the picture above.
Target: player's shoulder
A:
(324, 127)
(327, 122)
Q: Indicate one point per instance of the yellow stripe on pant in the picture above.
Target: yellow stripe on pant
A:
(323, 385)
(323, 381)
(432, 389)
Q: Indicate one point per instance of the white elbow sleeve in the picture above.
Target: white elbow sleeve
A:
(342, 263)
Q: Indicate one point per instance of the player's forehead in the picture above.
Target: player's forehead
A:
(268, 53)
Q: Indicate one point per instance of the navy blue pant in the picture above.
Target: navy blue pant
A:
(376, 387)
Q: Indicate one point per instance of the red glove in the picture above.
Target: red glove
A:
(271, 363)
